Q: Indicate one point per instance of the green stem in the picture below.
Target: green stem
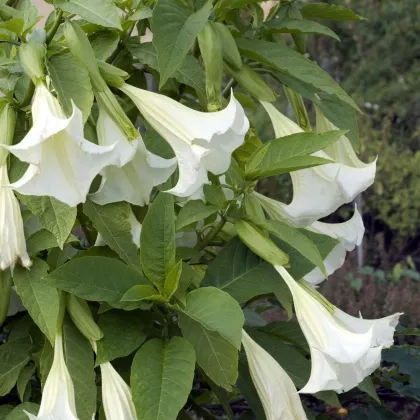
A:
(231, 85)
(121, 44)
(209, 238)
(54, 28)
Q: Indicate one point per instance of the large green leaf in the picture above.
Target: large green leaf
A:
(299, 26)
(192, 212)
(79, 361)
(217, 311)
(408, 360)
(123, 333)
(327, 11)
(53, 215)
(175, 27)
(14, 355)
(96, 278)
(161, 378)
(104, 44)
(241, 273)
(19, 412)
(157, 239)
(292, 63)
(287, 331)
(101, 12)
(40, 298)
(298, 241)
(71, 82)
(113, 222)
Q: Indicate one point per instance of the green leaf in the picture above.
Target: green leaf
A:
(239, 272)
(96, 278)
(367, 386)
(294, 64)
(29, 13)
(298, 241)
(79, 361)
(23, 381)
(157, 240)
(408, 360)
(291, 153)
(14, 355)
(175, 28)
(327, 11)
(216, 311)
(105, 43)
(123, 333)
(41, 299)
(113, 222)
(408, 331)
(71, 82)
(18, 413)
(40, 240)
(161, 386)
(53, 215)
(214, 195)
(215, 355)
(299, 26)
(287, 331)
(5, 409)
(142, 292)
(141, 13)
(101, 12)
(192, 212)
(255, 239)
(172, 281)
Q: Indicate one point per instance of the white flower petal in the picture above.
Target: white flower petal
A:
(65, 163)
(275, 388)
(350, 235)
(116, 395)
(344, 349)
(201, 141)
(12, 237)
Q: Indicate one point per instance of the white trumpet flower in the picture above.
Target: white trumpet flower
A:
(136, 170)
(350, 235)
(12, 237)
(62, 163)
(275, 388)
(344, 349)
(116, 395)
(201, 141)
(319, 191)
(58, 402)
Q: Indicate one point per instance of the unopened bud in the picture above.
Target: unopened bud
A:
(112, 75)
(7, 124)
(231, 53)
(296, 102)
(81, 316)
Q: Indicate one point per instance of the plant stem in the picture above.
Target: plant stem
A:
(209, 238)
(121, 44)
(57, 22)
(231, 85)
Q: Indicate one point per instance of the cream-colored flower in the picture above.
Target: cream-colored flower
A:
(62, 163)
(58, 402)
(350, 235)
(201, 141)
(319, 191)
(276, 390)
(344, 349)
(12, 237)
(136, 170)
(116, 395)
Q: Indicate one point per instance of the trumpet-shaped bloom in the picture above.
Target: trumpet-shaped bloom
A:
(62, 163)
(344, 349)
(136, 170)
(201, 141)
(116, 395)
(319, 191)
(58, 400)
(349, 234)
(12, 237)
(276, 390)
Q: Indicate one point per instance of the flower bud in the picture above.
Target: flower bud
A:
(112, 75)
(231, 53)
(296, 102)
(5, 291)
(211, 52)
(7, 124)
(32, 57)
(81, 316)
(252, 82)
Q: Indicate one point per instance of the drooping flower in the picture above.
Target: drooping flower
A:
(275, 388)
(344, 349)
(350, 235)
(12, 237)
(116, 395)
(58, 400)
(62, 163)
(135, 171)
(319, 191)
(201, 141)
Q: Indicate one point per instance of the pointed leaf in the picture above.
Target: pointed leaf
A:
(192, 212)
